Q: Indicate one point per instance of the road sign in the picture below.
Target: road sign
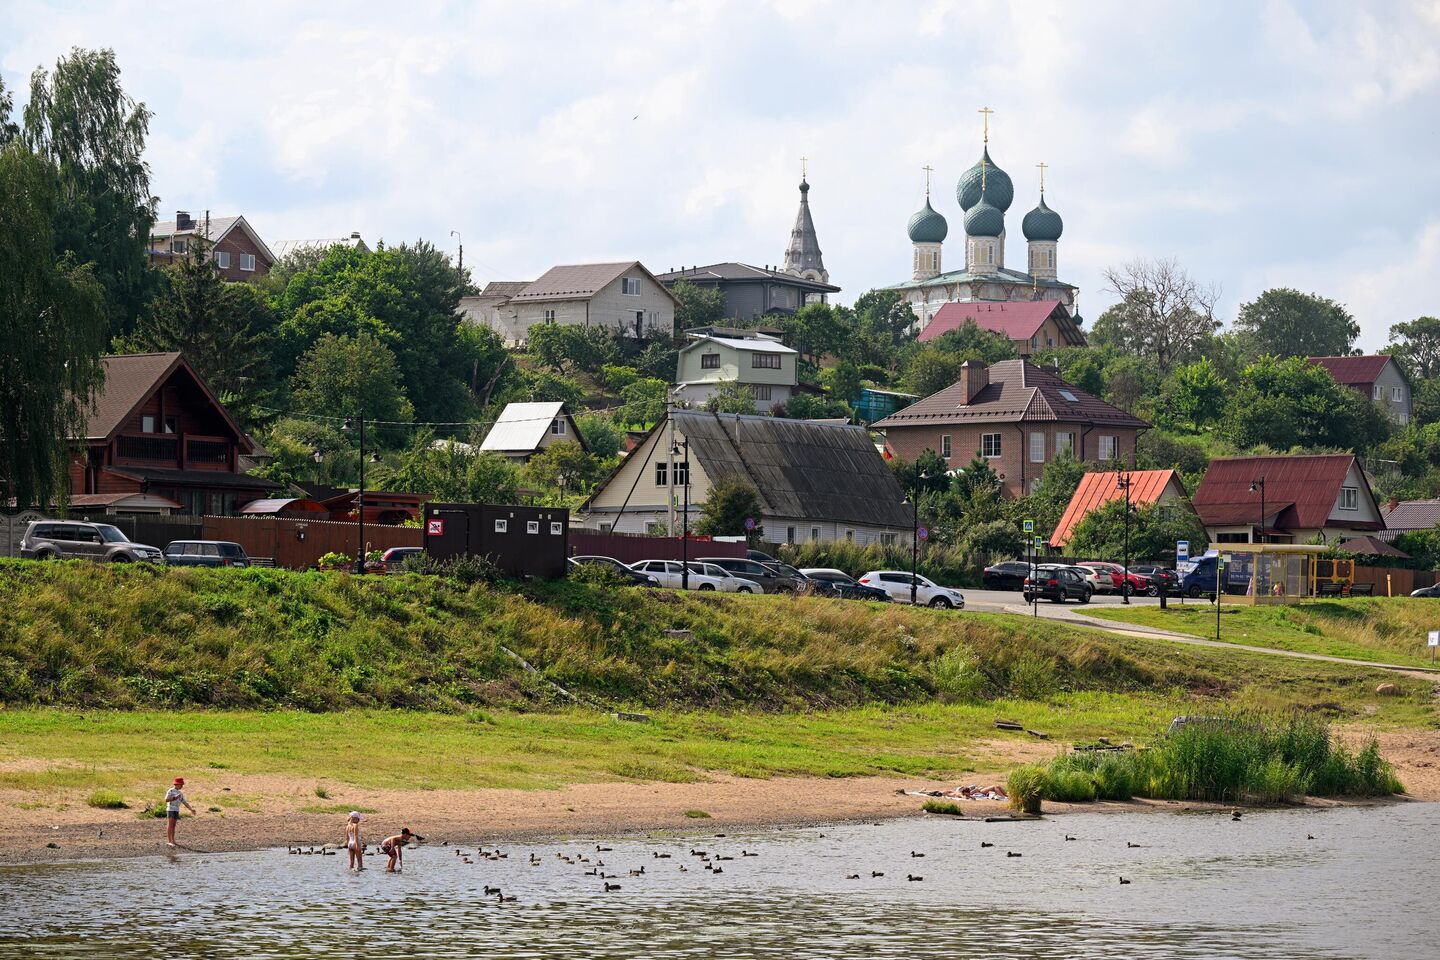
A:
(1435, 638)
(1038, 543)
(1028, 526)
(1182, 550)
(749, 523)
(922, 532)
(435, 528)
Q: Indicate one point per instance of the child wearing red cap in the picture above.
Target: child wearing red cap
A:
(174, 797)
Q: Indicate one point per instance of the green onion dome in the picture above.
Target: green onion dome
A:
(1042, 223)
(999, 191)
(928, 226)
(984, 220)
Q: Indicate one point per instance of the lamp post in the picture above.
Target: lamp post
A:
(1260, 486)
(1122, 482)
(676, 450)
(360, 496)
(915, 535)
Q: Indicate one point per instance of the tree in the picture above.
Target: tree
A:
(731, 397)
(930, 370)
(564, 465)
(602, 437)
(970, 342)
(643, 402)
(1416, 347)
(569, 347)
(1196, 393)
(1426, 402)
(53, 324)
(1154, 530)
(345, 376)
(807, 406)
(451, 472)
(1163, 313)
(729, 504)
(844, 382)
(225, 330)
(883, 321)
(928, 473)
(80, 118)
(1058, 482)
(818, 330)
(1289, 402)
(8, 130)
(1287, 323)
(699, 306)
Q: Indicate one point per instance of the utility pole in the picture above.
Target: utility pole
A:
(1122, 480)
(461, 243)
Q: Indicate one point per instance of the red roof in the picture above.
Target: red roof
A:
(1300, 492)
(1098, 489)
(1353, 371)
(1015, 320)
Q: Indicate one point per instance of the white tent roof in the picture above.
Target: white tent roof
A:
(522, 426)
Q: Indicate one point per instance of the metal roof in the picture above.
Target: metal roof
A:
(1300, 492)
(521, 427)
(760, 344)
(1411, 515)
(799, 468)
(1099, 488)
(581, 281)
(964, 276)
(1354, 371)
(734, 271)
(1014, 320)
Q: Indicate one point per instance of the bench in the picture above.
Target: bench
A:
(1329, 588)
(1361, 589)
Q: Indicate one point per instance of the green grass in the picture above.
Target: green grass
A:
(106, 800)
(946, 807)
(697, 814)
(1381, 629)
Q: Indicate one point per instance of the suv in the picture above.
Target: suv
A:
(74, 539)
(761, 573)
(1159, 577)
(1133, 585)
(205, 553)
(1057, 583)
(632, 577)
(840, 584)
(897, 584)
(1009, 575)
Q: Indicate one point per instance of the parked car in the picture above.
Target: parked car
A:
(1058, 584)
(1092, 577)
(897, 583)
(205, 553)
(1431, 591)
(620, 570)
(669, 574)
(81, 540)
(729, 582)
(1135, 584)
(393, 559)
(842, 585)
(1158, 577)
(802, 583)
(760, 556)
(761, 573)
(1009, 575)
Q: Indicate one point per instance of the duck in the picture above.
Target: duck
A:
(1123, 881)
(1234, 814)
(491, 890)
(1012, 853)
(684, 869)
(592, 872)
(985, 843)
(718, 857)
(852, 876)
(912, 878)
(719, 870)
(638, 873)
(600, 849)
(914, 854)
(661, 856)
(1068, 837)
(611, 887)
(501, 898)
(1130, 845)
(1309, 836)
(876, 873)
(747, 853)
(697, 853)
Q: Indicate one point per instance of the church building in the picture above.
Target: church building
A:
(985, 193)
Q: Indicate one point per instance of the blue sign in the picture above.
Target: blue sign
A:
(922, 533)
(1028, 526)
(1182, 550)
(749, 523)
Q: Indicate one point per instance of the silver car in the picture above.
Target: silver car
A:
(82, 540)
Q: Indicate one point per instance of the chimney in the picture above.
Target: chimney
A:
(183, 220)
(974, 377)
(1392, 503)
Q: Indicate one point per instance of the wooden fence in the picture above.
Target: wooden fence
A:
(299, 544)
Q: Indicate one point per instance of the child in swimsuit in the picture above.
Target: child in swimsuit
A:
(353, 843)
(393, 847)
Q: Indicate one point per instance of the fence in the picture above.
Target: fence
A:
(632, 549)
(1400, 582)
(299, 544)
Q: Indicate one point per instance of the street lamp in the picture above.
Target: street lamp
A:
(675, 450)
(1122, 482)
(1260, 486)
(914, 499)
(360, 496)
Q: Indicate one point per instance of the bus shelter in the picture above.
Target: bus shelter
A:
(1269, 572)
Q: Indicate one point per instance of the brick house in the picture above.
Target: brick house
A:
(157, 431)
(1018, 417)
(239, 253)
(1030, 325)
(1378, 377)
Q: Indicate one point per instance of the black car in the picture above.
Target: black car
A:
(844, 586)
(1159, 577)
(634, 577)
(1009, 575)
(205, 553)
(1057, 584)
(759, 556)
(761, 573)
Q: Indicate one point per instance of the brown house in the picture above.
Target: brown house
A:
(239, 253)
(1018, 417)
(157, 431)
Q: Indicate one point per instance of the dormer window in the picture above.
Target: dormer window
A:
(1349, 498)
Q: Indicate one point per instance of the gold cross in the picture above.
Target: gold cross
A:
(985, 112)
(983, 167)
(802, 167)
(1042, 167)
(928, 169)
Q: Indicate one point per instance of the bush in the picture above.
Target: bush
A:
(1033, 678)
(1027, 786)
(107, 800)
(947, 807)
(957, 674)
(334, 560)
(1070, 786)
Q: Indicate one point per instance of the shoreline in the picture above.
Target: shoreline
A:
(470, 818)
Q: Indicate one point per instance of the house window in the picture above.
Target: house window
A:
(765, 361)
(557, 427)
(1377, 392)
(217, 504)
(549, 316)
(1397, 394)
(849, 536)
(1349, 498)
(247, 262)
(630, 286)
(789, 534)
(1064, 443)
(682, 474)
(222, 259)
(814, 534)
(1109, 447)
(1037, 448)
(147, 424)
(990, 445)
(177, 246)
(761, 391)
(887, 539)
(945, 445)
(709, 361)
(662, 474)
(172, 425)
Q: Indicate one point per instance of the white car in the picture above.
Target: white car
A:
(729, 582)
(669, 573)
(897, 584)
(1098, 584)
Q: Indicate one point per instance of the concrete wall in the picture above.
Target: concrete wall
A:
(735, 365)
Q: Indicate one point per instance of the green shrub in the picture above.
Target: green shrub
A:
(1070, 786)
(946, 807)
(1027, 786)
(697, 814)
(957, 674)
(1033, 677)
(334, 560)
(107, 800)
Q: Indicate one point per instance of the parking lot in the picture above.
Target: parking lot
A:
(1010, 601)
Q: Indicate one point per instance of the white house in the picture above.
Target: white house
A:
(524, 429)
(623, 297)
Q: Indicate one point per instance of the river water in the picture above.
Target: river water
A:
(1201, 886)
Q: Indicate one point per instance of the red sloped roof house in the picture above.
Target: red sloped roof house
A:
(1029, 324)
(1303, 496)
(1099, 488)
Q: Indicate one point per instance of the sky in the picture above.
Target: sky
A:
(1259, 144)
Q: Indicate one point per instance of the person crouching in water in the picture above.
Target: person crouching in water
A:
(393, 847)
(353, 843)
(174, 797)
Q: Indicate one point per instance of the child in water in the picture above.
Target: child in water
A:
(393, 847)
(353, 844)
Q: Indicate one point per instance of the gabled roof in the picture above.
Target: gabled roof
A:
(1372, 547)
(1300, 492)
(219, 227)
(1411, 515)
(521, 427)
(130, 380)
(1015, 320)
(1018, 391)
(284, 248)
(750, 344)
(734, 272)
(1099, 488)
(580, 281)
(1355, 371)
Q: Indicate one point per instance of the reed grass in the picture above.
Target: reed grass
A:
(106, 800)
(1027, 786)
(946, 807)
